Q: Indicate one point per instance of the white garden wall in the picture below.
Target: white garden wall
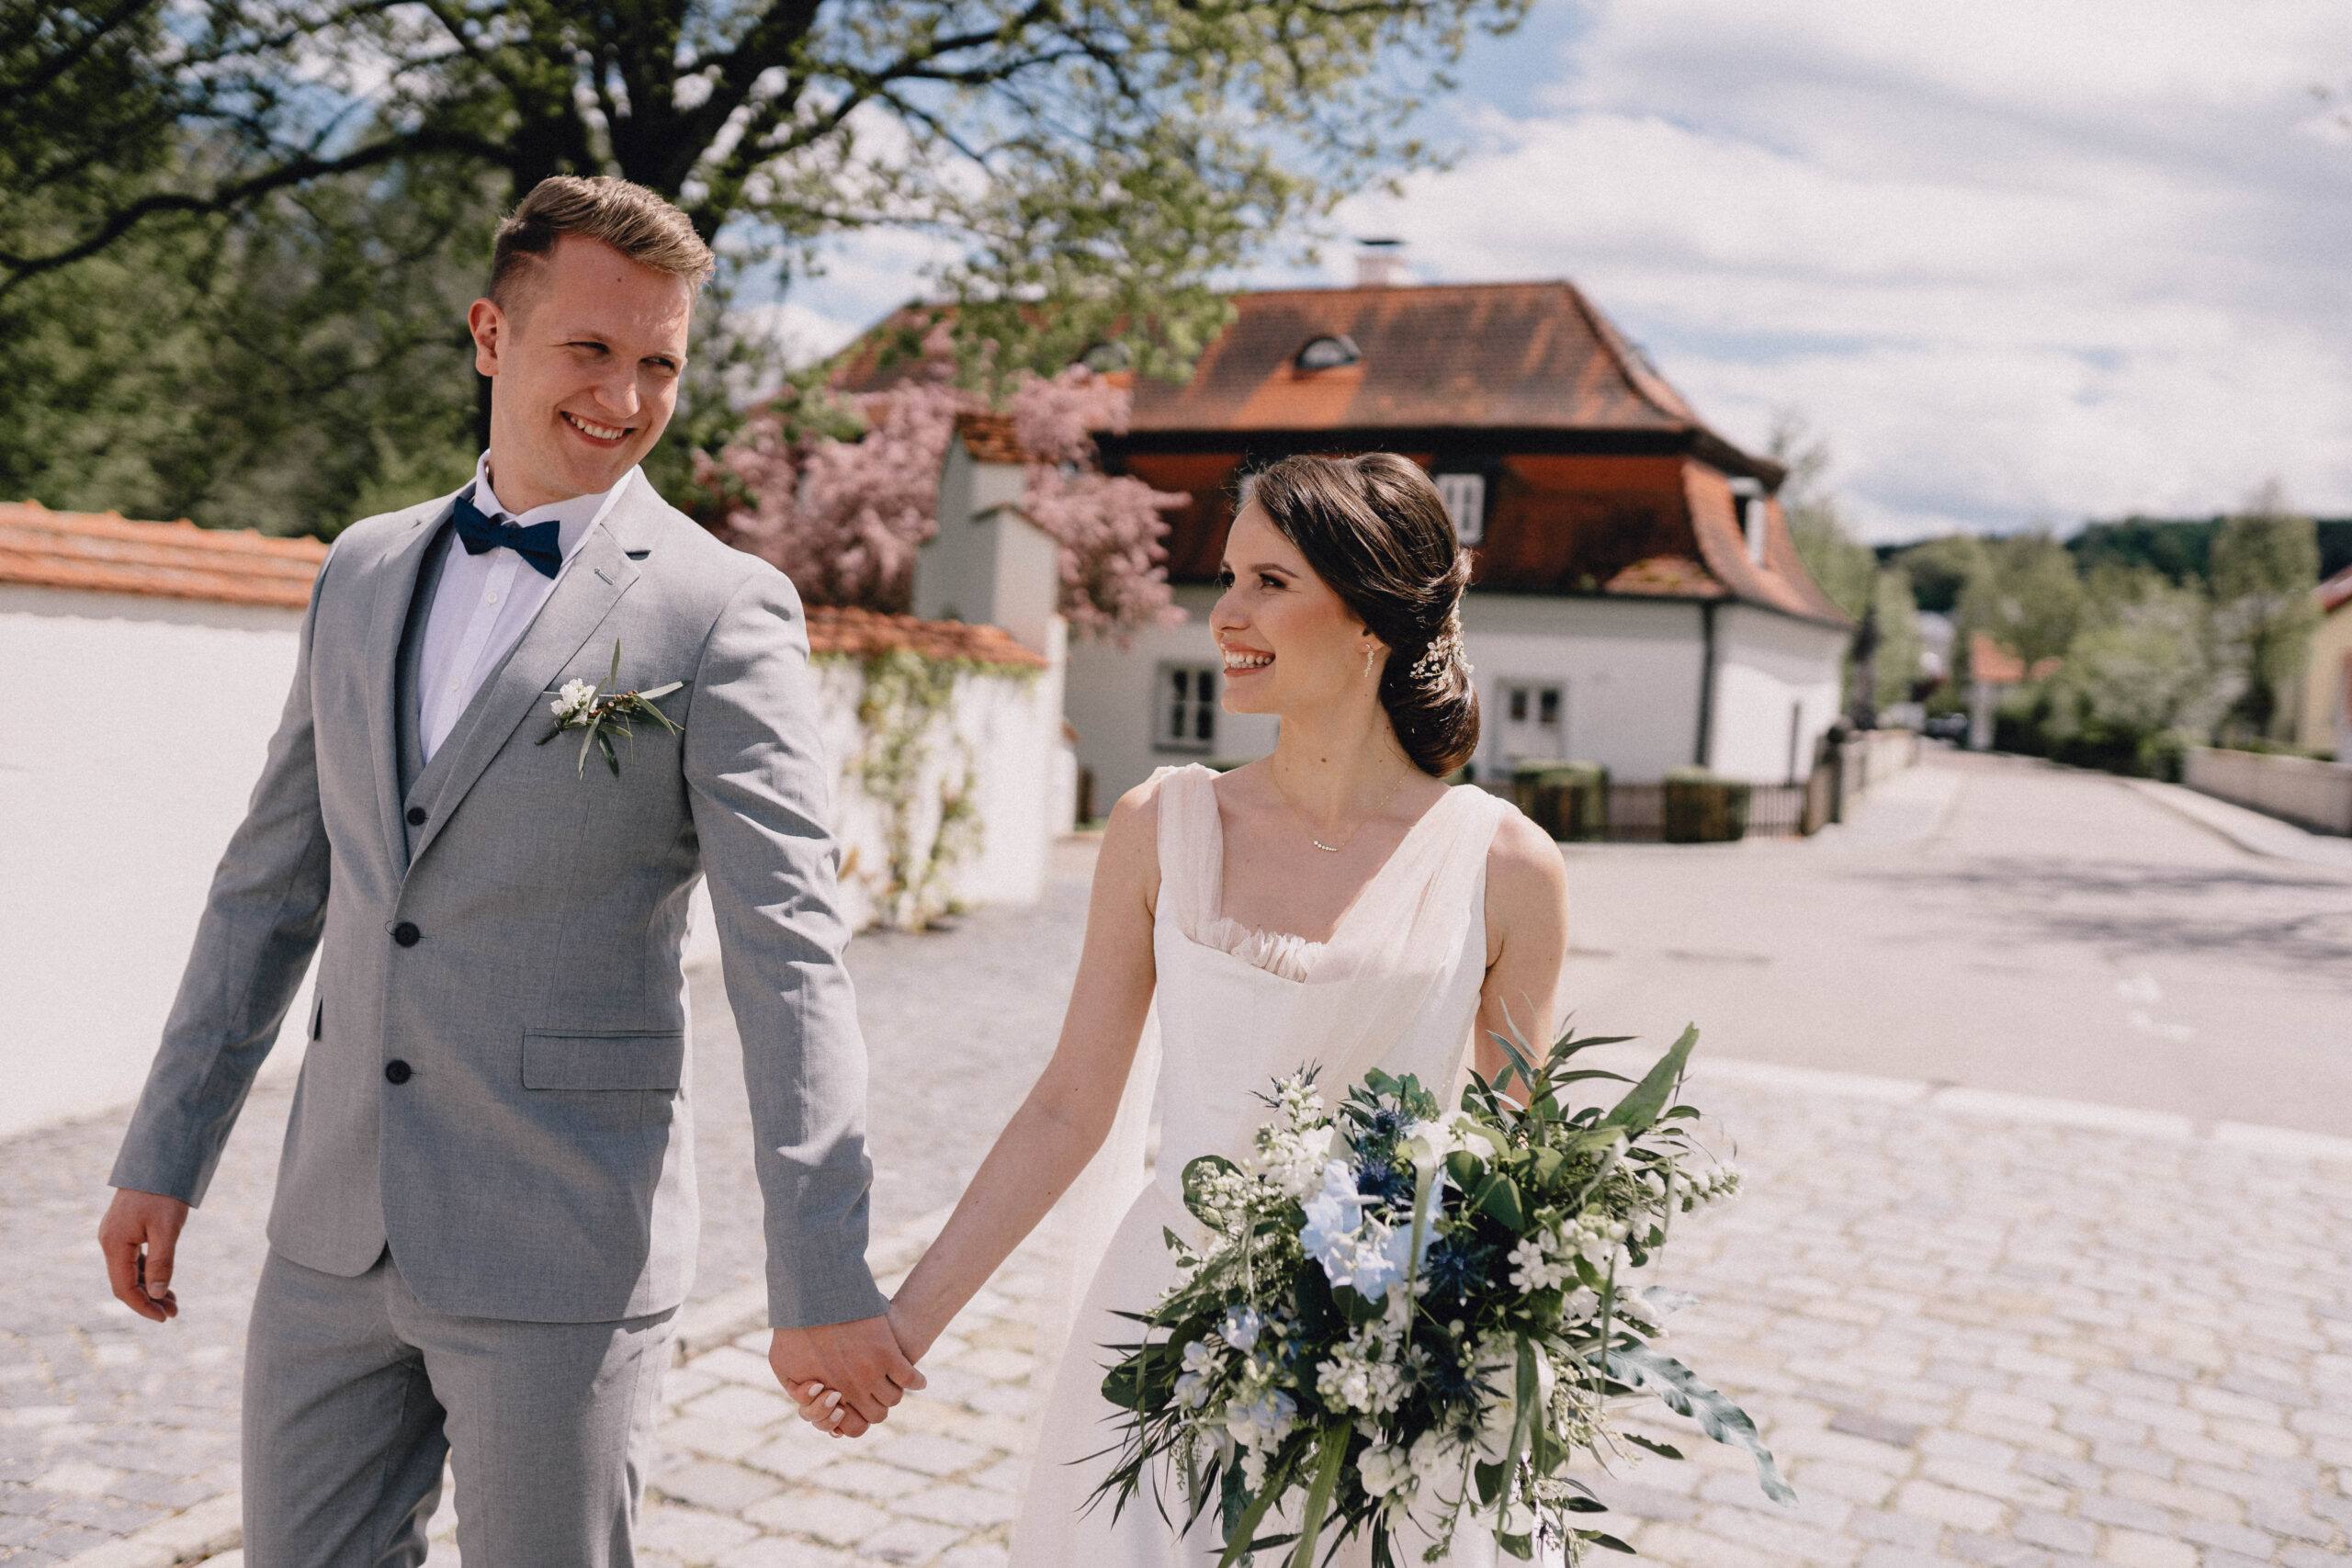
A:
(2313, 794)
(140, 728)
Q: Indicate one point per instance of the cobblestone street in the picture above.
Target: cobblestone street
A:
(1977, 1327)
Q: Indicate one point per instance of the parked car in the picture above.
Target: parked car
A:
(1946, 727)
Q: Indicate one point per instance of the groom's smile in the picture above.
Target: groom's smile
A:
(584, 351)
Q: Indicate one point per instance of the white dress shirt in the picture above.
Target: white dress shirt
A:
(484, 603)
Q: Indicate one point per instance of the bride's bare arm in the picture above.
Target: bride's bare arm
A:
(1527, 940)
(1069, 1109)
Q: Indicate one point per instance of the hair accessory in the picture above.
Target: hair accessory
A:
(1445, 648)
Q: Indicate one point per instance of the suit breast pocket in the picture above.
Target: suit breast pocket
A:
(615, 1059)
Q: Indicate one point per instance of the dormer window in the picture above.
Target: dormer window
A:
(1465, 502)
(1747, 497)
(1327, 354)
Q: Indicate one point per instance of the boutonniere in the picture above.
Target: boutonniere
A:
(600, 713)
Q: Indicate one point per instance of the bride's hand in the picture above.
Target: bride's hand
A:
(820, 1406)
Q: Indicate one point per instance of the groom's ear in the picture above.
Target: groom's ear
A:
(488, 324)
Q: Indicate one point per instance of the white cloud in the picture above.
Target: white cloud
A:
(2022, 261)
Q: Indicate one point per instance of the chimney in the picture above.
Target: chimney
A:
(1380, 264)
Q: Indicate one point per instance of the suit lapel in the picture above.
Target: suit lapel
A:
(387, 619)
(592, 585)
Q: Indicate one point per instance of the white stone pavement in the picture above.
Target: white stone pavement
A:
(1981, 1331)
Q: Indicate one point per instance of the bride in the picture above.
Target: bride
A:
(1334, 904)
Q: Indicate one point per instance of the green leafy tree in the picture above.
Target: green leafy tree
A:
(2030, 600)
(1895, 665)
(1940, 570)
(1110, 161)
(2265, 565)
(1845, 570)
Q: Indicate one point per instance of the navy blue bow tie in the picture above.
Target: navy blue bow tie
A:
(536, 543)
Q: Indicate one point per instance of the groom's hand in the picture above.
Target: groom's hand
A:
(859, 1359)
(139, 1234)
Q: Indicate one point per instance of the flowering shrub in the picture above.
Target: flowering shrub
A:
(843, 518)
(1404, 1319)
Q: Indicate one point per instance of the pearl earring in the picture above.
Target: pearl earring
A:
(1367, 661)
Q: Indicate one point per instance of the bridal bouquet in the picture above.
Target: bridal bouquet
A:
(1403, 1315)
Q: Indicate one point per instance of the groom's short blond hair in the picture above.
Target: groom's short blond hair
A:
(632, 220)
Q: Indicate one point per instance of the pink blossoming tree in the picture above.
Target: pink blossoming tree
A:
(843, 518)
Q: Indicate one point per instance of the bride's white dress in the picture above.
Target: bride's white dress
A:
(1396, 987)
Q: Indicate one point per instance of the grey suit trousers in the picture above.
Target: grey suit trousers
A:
(355, 1391)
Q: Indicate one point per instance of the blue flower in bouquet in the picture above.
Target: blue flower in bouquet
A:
(1241, 1328)
(1380, 1177)
(1457, 1264)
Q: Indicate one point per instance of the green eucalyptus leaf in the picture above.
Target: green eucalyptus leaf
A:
(1639, 1109)
(1682, 1392)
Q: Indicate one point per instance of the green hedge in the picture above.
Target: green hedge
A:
(1567, 800)
(1702, 808)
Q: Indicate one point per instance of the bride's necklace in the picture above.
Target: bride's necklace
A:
(1343, 843)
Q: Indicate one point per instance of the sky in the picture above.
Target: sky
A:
(2021, 264)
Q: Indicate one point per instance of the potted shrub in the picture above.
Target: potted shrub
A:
(1701, 807)
(1567, 800)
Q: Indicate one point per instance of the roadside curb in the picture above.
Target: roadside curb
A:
(2249, 830)
(1997, 1105)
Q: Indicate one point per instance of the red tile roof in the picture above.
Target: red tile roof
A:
(105, 553)
(1439, 357)
(989, 438)
(862, 634)
(1996, 666)
(1781, 579)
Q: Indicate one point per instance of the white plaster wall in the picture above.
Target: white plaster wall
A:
(140, 728)
(1008, 728)
(1111, 695)
(1767, 668)
(1630, 670)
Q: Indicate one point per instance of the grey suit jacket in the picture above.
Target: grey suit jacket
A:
(518, 948)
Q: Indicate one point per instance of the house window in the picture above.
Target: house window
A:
(1535, 722)
(1327, 354)
(1184, 709)
(1466, 501)
(1748, 498)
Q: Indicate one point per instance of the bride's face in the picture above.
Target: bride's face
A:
(1290, 643)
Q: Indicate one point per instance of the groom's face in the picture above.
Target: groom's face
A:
(585, 357)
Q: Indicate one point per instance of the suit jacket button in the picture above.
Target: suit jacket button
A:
(406, 933)
(416, 816)
(396, 1071)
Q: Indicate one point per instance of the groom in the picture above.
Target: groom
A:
(485, 1217)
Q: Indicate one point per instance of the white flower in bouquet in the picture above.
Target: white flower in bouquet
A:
(1203, 1369)
(1387, 1471)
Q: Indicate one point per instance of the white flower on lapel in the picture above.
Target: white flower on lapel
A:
(573, 701)
(600, 713)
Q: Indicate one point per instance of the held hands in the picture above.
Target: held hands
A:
(829, 1406)
(138, 1235)
(854, 1370)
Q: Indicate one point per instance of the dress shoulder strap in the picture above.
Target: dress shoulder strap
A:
(1191, 859)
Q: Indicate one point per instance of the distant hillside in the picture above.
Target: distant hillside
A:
(2180, 547)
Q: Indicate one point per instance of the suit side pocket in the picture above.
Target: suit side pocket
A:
(615, 1059)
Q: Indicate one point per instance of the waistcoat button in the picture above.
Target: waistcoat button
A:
(396, 1071)
(406, 933)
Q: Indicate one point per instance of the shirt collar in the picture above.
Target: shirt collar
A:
(572, 517)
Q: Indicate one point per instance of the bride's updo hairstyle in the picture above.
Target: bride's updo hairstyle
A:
(1374, 529)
